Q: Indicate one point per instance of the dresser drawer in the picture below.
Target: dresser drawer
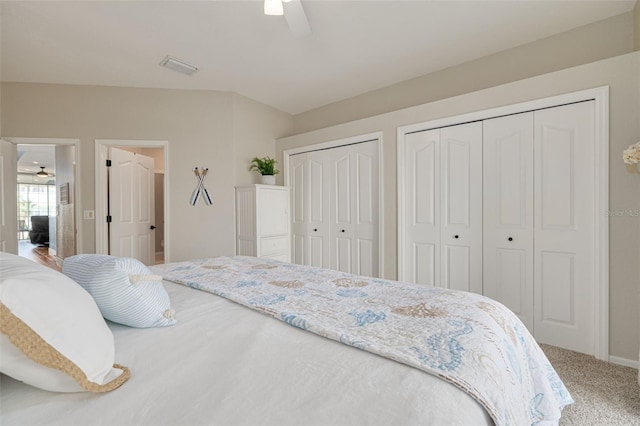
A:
(274, 245)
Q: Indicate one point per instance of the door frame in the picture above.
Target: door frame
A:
(78, 183)
(342, 142)
(101, 149)
(600, 96)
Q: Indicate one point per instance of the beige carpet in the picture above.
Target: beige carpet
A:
(604, 394)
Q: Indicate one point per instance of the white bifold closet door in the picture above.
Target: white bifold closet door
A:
(335, 208)
(443, 211)
(539, 190)
(354, 208)
(508, 213)
(310, 184)
(564, 258)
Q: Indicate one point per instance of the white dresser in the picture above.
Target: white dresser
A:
(262, 222)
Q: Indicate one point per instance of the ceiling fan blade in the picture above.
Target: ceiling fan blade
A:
(296, 19)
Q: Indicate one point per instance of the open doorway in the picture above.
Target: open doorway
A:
(46, 204)
(131, 202)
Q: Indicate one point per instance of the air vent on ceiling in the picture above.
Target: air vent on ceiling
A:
(178, 65)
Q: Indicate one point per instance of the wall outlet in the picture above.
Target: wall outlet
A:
(89, 214)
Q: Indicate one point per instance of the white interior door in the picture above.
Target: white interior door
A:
(461, 207)
(8, 198)
(422, 208)
(131, 206)
(564, 226)
(508, 213)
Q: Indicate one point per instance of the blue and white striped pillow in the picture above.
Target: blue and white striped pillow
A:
(124, 289)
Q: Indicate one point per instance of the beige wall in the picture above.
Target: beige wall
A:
(199, 126)
(622, 75)
(636, 26)
(604, 39)
(253, 128)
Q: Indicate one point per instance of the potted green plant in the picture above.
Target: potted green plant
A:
(266, 166)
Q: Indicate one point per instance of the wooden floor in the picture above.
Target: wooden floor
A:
(38, 254)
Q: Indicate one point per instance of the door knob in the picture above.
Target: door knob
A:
(342, 230)
(510, 238)
(152, 227)
(456, 236)
(315, 229)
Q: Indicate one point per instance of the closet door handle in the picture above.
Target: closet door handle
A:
(456, 236)
(342, 230)
(315, 229)
(510, 238)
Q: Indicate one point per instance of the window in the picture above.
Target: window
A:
(34, 200)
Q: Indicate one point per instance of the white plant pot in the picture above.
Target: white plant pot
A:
(268, 179)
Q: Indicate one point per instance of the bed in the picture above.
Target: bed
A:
(224, 363)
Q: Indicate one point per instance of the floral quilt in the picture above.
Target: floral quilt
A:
(466, 339)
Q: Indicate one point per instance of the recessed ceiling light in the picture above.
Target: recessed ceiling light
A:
(35, 162)
(178, 65)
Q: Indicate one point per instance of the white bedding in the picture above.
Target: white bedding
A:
(223, 364)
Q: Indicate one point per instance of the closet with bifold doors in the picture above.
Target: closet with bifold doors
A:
(334, 199)
(504, 207)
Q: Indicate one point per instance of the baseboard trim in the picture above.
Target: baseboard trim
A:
(623, 361)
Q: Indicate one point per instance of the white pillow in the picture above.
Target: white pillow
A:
(53, 336)
(125, 290)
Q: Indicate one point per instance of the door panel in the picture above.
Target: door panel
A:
(273, 218)
(425, 264)
(511, 282)
(364, 156)
(558, 287)
(364, 189)
(342, 187)
(508, 213)
(461, 206)
(365, 258)
(564, 226)
(422, 208)
(457, 268)
(317, 171)
(319, 224)
(557, 146)
(299, 189)
(457, 180)
(343, 254)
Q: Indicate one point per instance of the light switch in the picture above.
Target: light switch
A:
(89, 214)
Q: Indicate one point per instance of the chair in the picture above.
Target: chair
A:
(39, 233)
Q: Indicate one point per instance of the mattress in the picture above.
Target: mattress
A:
(224, 364)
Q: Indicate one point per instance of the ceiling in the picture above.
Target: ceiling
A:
(31, 158)
(354, 47)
